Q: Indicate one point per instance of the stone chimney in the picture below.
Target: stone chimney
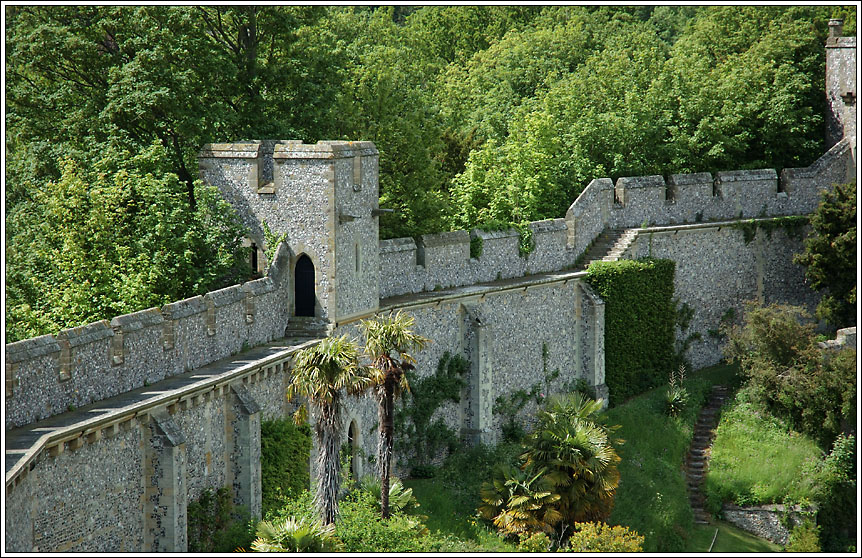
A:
(836, 26)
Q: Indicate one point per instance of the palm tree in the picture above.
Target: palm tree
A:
(388, 340)
(322, 374)
(577, 454)
(519, 501)
(295, 535)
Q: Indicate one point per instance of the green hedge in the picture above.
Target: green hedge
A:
(639, 323)
(284, 456)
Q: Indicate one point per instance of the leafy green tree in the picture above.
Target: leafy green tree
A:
(322, 374)
(576, 128)
(830, 255)
(387, 99)
(115, 239)
(83, 76)
(749, 88)
(389, 340)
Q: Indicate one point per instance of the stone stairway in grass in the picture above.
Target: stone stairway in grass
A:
(609, 246)
(698, 454)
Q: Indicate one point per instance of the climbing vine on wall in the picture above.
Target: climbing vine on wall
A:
(426, 436)
(509, 405)
(284, 455)
(793, 226)
(216, 525)
(640, 318)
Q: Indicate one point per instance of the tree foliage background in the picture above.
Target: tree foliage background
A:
(480, 113)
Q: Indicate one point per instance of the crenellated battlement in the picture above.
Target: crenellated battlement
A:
(51, 374)
(443, 260)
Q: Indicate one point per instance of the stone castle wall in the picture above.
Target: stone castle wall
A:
(443, 260)
(718, 270)
(485, 325)
(124, 484)
(47, 375)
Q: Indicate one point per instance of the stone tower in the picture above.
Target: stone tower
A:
(325, 197)
(840, 85)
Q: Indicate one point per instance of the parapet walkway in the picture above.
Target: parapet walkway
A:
(478, 289)
(24, 445)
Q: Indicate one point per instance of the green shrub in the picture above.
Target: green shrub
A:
(836, 495)
(295, 535)
(423, 472)
(640, 318)
(214, 525)
(285, 449)
(401, 499)
(813, 388)
(359, 528)
(599, 537)
(537, 542)
(804, 538)
(676, 397)
(830, 255)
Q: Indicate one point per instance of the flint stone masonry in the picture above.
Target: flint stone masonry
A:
(766, 522)
(716, 271)
(843, 338)
(50, 374)
(840, 85)
(74, 503)
(442, 260)
(126, 487)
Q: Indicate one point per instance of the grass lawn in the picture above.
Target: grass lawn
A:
(652, 497)
(757, 459)
(447, 514)
(729, 539)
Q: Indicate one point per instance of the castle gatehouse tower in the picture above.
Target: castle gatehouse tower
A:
(325, 197)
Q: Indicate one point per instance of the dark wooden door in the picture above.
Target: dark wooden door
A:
(304, 287)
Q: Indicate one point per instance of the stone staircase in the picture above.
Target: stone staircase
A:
(698, 454)
(609, 246)
(302, 328)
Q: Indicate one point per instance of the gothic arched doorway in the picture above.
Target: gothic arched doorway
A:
(353, 443)
(303, 286)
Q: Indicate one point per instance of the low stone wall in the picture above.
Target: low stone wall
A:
(772, 523)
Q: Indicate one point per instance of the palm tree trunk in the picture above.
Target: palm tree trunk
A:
(385, 411)
(327, 430)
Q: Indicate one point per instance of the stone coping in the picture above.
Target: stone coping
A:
(707, 224)
(25, 445)
(480, 289)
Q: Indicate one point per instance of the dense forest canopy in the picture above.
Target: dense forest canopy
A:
(483, 115)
